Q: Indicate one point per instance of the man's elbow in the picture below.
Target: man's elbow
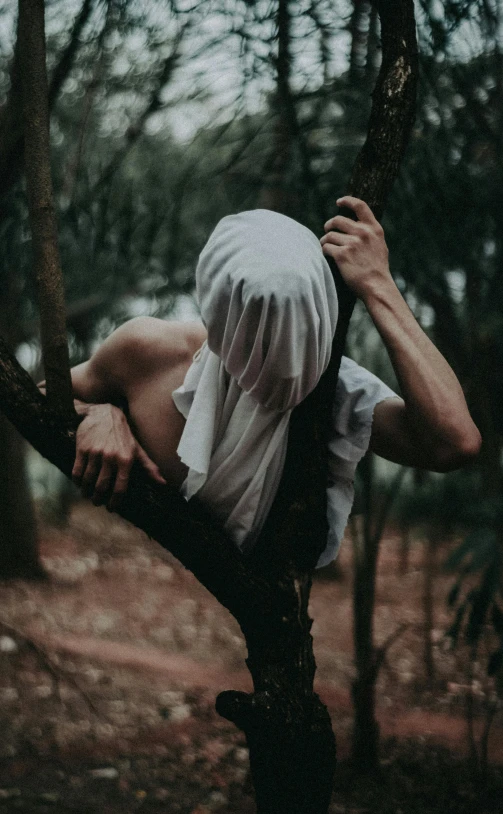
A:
(460, 452)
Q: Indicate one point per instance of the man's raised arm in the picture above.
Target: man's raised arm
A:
(431, 427)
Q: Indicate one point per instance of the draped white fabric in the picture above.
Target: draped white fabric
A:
(269, 304)
(357, 393)
(268, 301)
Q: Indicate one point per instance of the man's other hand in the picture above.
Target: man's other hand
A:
(358, 248)
(106, 452)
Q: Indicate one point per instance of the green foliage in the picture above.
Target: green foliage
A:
(481, 554)
(457, 506)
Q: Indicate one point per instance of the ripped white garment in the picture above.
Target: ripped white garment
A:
(268, 300)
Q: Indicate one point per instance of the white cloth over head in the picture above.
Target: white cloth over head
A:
(268, 301)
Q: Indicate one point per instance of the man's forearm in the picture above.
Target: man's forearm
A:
(432, 426)
(436, 406)
(82, 407)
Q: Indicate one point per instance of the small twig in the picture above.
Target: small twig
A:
(57, 672)
(492, 709)
(381, 651)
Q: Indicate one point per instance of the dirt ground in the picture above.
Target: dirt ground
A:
(109, 671)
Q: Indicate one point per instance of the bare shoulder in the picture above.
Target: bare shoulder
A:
(144, 345)
(159, 336)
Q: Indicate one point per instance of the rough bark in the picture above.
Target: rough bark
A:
(34, 87)
(292, 748)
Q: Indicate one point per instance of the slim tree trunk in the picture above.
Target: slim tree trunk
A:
(430, 546)
(373, 48)
(368, 657)
(405, 544)
(292, 747)
(290, 182)
(34, 86)
(18, 530)
(359, 25)
(277, 194)
(365, 549)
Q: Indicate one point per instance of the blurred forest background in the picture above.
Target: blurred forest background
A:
(165, 117)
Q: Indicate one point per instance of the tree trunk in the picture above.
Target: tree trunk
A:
(290, 181)
(365, 747)
(292, 747)
(430, 545)
(18, 529)
(359, 31)
(277, 194)
(368, 658)
(35, 90)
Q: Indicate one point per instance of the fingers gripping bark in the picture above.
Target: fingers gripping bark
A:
(358, 247)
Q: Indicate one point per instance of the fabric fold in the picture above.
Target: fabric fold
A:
(268, 301)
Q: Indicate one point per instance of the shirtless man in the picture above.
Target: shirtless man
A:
(146, 359)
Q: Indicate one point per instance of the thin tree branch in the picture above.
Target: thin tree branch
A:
(41, 206)
(67, 58)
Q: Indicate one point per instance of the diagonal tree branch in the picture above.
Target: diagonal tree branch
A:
(67, 58)
(154, 104)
